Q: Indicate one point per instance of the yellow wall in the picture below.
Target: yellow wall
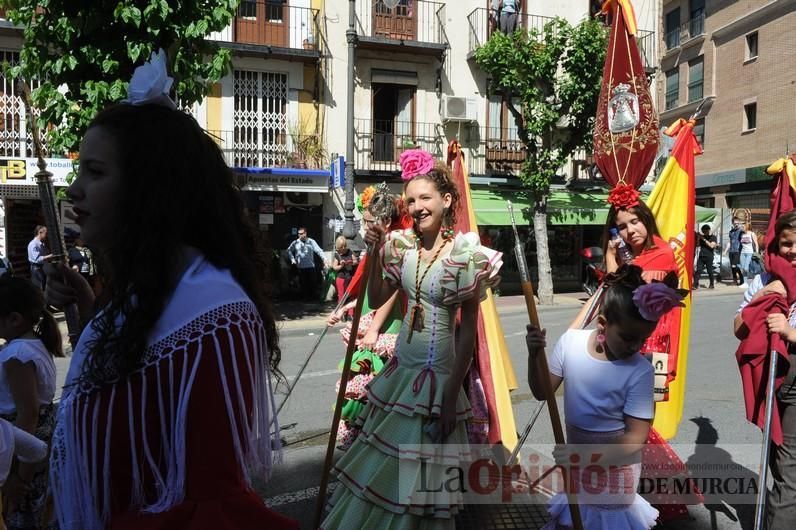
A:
(214, 108)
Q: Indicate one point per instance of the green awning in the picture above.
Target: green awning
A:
(563, 208)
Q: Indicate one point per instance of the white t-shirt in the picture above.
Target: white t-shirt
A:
(747, 243)
(597, 393)
(27, 350)
(757, 284)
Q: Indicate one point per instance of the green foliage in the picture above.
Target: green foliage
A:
(550, 80)
(83, 53)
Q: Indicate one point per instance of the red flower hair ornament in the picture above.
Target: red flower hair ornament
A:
(415, 162)
(624, 196)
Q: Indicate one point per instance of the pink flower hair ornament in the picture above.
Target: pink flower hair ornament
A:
(656, 299)
(415, 162)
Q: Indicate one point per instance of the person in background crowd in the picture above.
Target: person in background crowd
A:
(302, 253)
(81, 259)
(6, 269)
(494, 15)
(509, 11)
(707, 243)
(344, 262)
(37, 256)
(748, 249)
(734, 248)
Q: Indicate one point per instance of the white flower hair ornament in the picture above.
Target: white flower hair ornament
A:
(151, 83)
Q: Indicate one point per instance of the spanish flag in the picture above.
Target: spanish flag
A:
(672, 202)
(492, 353)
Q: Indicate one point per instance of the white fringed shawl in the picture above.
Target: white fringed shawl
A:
(207, 307)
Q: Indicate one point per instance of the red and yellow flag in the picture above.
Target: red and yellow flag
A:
(783, 200)
(673, 202)
(492, 353)
(626, 133)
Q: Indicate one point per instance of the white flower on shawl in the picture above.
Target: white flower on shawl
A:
(151, 83)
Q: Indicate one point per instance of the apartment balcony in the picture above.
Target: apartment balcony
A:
(413, 26)
(481, 27)
(252, 147)
(379, 144)
(687, 34)
(647, 45)
(273, 30)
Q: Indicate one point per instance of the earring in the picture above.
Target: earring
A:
(447, 232)
(600, 347)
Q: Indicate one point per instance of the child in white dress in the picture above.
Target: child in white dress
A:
(608, 402)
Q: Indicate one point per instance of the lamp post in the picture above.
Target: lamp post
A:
(351, 36)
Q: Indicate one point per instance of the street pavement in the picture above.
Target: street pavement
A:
(714, 410)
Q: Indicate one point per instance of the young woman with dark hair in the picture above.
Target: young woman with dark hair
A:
(168, 410)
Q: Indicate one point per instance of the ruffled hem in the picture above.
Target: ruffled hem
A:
(392, 253)
(351, 512)
(413, 392)
(470, 269)
(405, 437)
(640, 515)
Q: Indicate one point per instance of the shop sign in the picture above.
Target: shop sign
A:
(299, 183)
(22, 171)
(735, 176)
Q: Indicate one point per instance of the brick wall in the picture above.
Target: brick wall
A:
(770, 80)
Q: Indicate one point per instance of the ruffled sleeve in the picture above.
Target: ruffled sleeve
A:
(469, 269)
(392, 254)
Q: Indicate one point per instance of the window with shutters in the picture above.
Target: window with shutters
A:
(260, 119)
(15, 140)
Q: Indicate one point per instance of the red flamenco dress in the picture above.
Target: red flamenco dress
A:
(174, 444)
(658, 458)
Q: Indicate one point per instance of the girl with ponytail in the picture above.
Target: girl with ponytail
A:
(27, 389)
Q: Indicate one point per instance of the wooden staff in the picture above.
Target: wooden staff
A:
(51, 217)
(349, 355)
(543, 369)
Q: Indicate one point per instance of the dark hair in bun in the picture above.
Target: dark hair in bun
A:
(618, 301)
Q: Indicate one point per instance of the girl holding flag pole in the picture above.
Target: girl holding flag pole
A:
(766, 325)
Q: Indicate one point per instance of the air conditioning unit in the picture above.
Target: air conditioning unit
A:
(300, 198)
(455, 108)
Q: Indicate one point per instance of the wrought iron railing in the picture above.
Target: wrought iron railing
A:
(379, 143)
(274, 24)
(696, 26)
(482, 24)
(671, 100)
(695, 90)
(410, 20)
(647, 46)
(685, 31)
(254, 147)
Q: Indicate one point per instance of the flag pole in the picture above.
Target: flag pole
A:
(50, 210)
(762, 490)
(544, 370)
(349, 355)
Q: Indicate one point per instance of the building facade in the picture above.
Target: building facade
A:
(280, 115)
(731, 55)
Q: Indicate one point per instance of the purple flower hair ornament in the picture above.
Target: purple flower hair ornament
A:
(415, 162)
(656, 299)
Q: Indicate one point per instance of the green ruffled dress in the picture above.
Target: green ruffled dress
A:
(380, 475)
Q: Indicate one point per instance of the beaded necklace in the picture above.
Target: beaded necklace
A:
(418, 314)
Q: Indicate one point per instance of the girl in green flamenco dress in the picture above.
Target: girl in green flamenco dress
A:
(413, 425)
(378, 328)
